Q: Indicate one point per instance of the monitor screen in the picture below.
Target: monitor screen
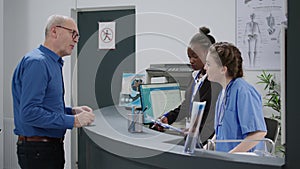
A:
(157, 98)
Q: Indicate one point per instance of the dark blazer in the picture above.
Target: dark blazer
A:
(208, 92)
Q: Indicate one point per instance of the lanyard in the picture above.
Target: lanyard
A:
(194, 89)
(222, 106)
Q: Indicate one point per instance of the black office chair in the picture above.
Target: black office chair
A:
(273, 128)
(270, 139)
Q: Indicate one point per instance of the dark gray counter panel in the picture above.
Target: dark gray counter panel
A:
(108, 144)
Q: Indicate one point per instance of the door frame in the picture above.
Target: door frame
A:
(74, 75)
(1, 86)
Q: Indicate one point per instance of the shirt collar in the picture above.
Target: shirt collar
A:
(51, 54)
(195, 73)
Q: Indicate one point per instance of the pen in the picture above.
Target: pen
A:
(167, 126)
(145, 109)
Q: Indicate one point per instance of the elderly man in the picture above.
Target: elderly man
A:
(40, 115)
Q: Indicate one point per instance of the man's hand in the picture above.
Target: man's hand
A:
(84, 119)
(77, 110)
(83, 116)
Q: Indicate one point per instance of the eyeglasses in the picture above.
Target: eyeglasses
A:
(74, 33)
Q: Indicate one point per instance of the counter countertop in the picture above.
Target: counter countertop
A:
(109, 132)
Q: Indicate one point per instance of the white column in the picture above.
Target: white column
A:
(1, 84)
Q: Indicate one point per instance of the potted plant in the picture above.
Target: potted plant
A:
(273, 100)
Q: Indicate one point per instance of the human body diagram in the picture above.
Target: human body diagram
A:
(251, 36)
(271, 24)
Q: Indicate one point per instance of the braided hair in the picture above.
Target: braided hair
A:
(230, 56)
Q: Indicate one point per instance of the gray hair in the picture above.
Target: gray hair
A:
(55, 20)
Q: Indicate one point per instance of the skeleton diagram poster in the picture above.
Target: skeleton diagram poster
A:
(258, 27)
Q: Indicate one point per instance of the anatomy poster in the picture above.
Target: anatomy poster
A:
(259, 24)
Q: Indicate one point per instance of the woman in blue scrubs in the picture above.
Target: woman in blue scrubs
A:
(239, 112)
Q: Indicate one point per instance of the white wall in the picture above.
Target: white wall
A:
(163, 31)
(24, 23)
(15, 45)
(172, 26)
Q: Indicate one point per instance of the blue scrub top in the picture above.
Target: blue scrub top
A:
(242, 114)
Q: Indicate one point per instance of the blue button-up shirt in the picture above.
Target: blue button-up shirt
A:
(38, 95)
(241, 116)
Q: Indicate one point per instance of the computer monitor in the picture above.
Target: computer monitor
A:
(159, 98)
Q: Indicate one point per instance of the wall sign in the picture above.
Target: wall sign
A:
(107, 35)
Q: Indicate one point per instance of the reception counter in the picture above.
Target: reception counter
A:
(108, 144)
